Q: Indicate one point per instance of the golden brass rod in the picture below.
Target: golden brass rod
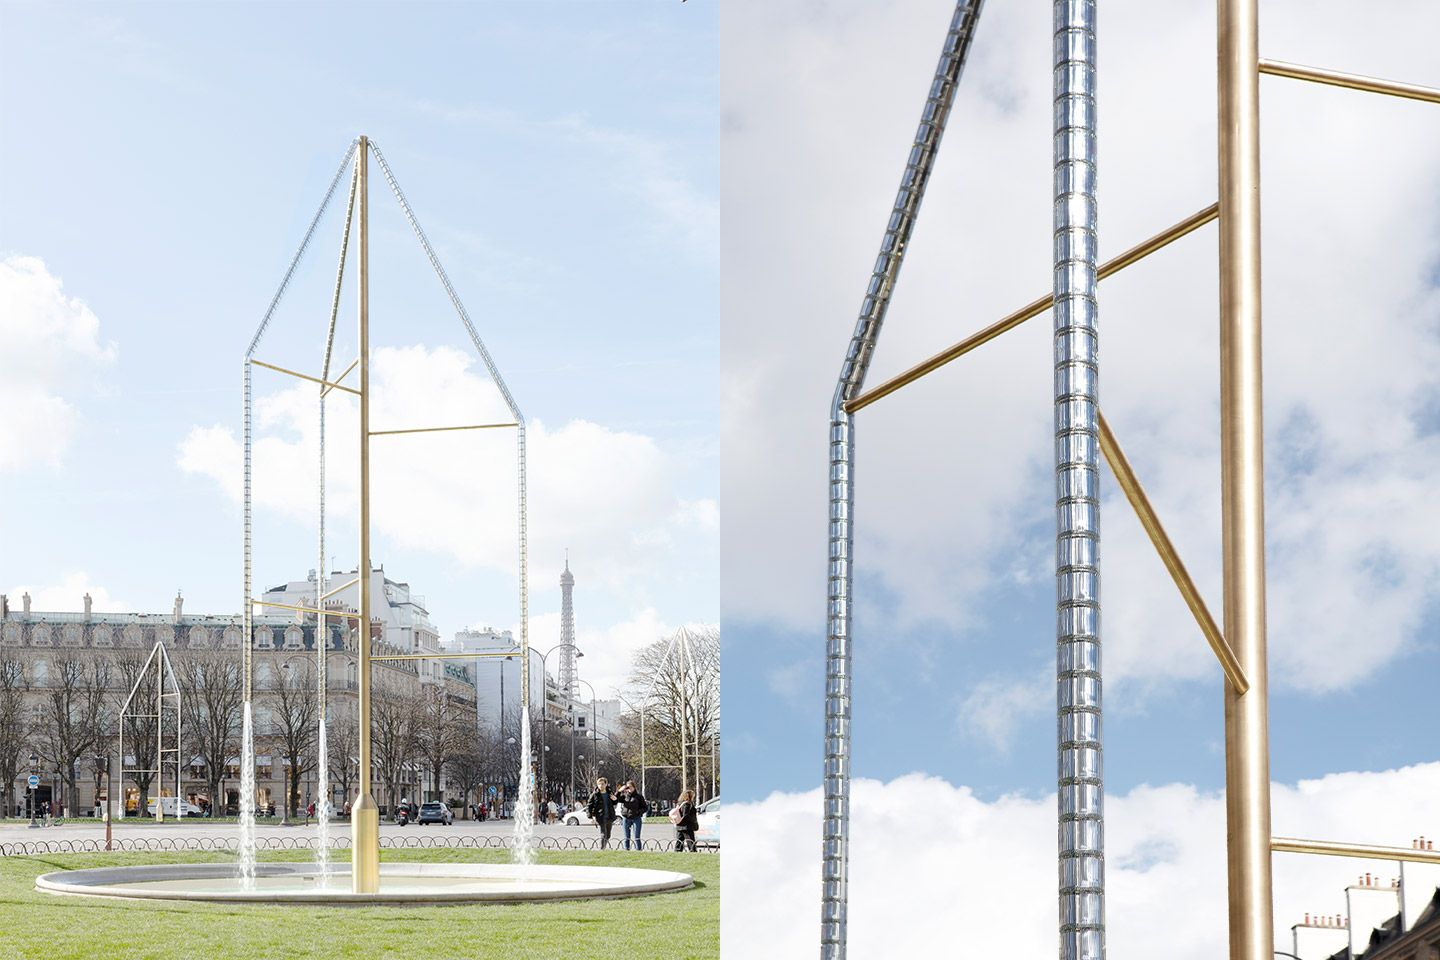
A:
(291, 606)
(1352, 81)
(1363, 850)
(1251, 906)
(302, 376)
(1031, 310)
(444, 656)
(341, 379)
(473, 426)
(1130, 484)
(365, 813)
(344, 586)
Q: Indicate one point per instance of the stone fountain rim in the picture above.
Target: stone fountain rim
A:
(618, 882)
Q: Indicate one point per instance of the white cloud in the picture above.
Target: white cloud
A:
(609, 496)
(955, 472)
(992, 709)
(50, 352)
(933, 868)
(67, 595)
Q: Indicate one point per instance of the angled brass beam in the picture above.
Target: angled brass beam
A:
(344, 586)
(1031, 310)
(1352, 81)
(1129, 483)
(340, 379)
(445, 656)
(291, 606)
(473, 426)
(1330, 848)
(303, 376)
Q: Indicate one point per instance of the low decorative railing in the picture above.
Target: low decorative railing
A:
(27, 848)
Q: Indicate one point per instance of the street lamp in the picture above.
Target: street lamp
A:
(594, 744)
(34, 772)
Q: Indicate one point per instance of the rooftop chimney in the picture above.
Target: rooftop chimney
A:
(87, 606)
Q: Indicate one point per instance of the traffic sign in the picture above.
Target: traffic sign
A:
(34, 781)
(492, 791)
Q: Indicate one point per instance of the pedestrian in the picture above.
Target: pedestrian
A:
(632, 808)
(553, 809)
(686, 821)
(601, 808)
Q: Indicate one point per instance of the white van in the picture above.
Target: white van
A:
(172, 804)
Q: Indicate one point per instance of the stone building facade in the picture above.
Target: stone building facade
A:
(39, 648)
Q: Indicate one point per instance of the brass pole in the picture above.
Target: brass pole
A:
(1135, 493)
(300, 609)
(1364, 851)
(1247, 744)
(364, 815)
(471, 426)
(1352, 81)
(304, 376)
(507, 654)
(1031, 310)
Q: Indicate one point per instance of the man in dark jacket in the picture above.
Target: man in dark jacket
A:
(601, 808)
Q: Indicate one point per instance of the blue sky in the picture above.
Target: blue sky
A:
(955, 627)
(163, 161)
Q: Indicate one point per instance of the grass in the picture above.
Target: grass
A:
(672, 926)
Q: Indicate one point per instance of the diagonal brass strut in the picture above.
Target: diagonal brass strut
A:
(1031, 310)
(1125, 476)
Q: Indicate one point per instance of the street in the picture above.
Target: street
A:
(85, 828)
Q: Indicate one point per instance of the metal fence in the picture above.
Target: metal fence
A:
(26, 848)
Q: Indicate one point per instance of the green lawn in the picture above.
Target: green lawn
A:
(669, 926)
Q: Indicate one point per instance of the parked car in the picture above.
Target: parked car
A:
(174, 807)
(709, 815)
(578, 816)
(434, 812)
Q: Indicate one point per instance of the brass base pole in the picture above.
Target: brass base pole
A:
(364, 814)
(1247, 738)
(365, 837)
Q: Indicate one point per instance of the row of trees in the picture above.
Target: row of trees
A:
(675, 684)
(426, 740)
(71, 722)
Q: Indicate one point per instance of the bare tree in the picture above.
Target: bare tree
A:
(437, 733)
(14, 728)
(295, 708)
(72, 715)
(680, 697)
(212, 707)
(343, 739)
(392, 733)
(139, 730)
(469, 767)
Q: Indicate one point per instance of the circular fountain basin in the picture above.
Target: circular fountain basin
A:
(400, 883)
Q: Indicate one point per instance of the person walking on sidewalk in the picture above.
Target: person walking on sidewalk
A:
(632, 808)
(686, 821)
(601, 808)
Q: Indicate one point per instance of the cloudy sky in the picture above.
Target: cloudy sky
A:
(954, 552)
(160, 165)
